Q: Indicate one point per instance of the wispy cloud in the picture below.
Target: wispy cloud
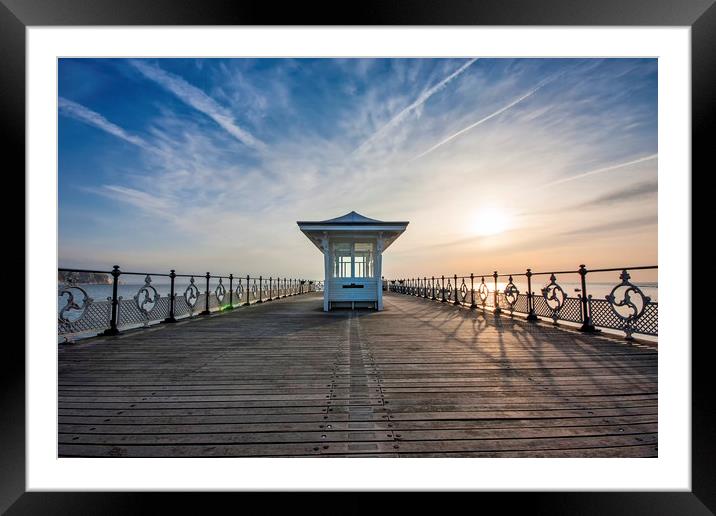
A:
(628, 193)
(602, 170)
(153, 204)
(485, 119)
(197, 99)
(83, 114)
(621, 225)
(422, 98)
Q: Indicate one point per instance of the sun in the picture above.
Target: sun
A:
(490, 221)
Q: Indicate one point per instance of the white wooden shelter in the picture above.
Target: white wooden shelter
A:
(352, 247)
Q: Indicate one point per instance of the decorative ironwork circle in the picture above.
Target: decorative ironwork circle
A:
(631, 298)
(554, 295)
(220, 291)
(448, 291)
(146, 297)
(72, 311)
(191, 294)
(483, 292)
(511, 293)
(463, 291)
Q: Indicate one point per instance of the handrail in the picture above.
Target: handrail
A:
(82, 314)
(626, 308)
(542, 273)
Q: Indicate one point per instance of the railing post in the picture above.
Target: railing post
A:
(113, 322)
(457, 299)
(473, 305)
(206, 305)
(586, 312)
(172, 295)
(270, 297)
(442, 289)
(531, 315)
(432, 281)
(248, 291)
(497, 309)
(425, 287)
(261, 289)
(231, 291)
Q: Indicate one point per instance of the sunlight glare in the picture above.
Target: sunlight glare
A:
(490, 221)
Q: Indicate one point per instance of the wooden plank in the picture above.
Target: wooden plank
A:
(356, 447)
(98, 426)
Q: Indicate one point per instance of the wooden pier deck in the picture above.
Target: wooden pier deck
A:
(418, 379)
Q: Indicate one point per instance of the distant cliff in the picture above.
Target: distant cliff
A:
(88, 278)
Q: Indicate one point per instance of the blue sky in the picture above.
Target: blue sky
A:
(206, 164)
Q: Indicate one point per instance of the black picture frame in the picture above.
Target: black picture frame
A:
(700, 15)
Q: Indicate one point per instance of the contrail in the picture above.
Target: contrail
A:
(485, 119)
(604, 169)
(194, 97)
(86, 115)
(422, 98)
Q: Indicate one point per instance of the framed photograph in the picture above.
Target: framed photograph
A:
(436, 243)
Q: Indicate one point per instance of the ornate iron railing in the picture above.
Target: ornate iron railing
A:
(81, 315)
(625, 309)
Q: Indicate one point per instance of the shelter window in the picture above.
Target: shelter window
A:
(342, 260)
(353, 259)
(363, 262)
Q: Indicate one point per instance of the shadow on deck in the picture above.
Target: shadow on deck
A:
(418, 379)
